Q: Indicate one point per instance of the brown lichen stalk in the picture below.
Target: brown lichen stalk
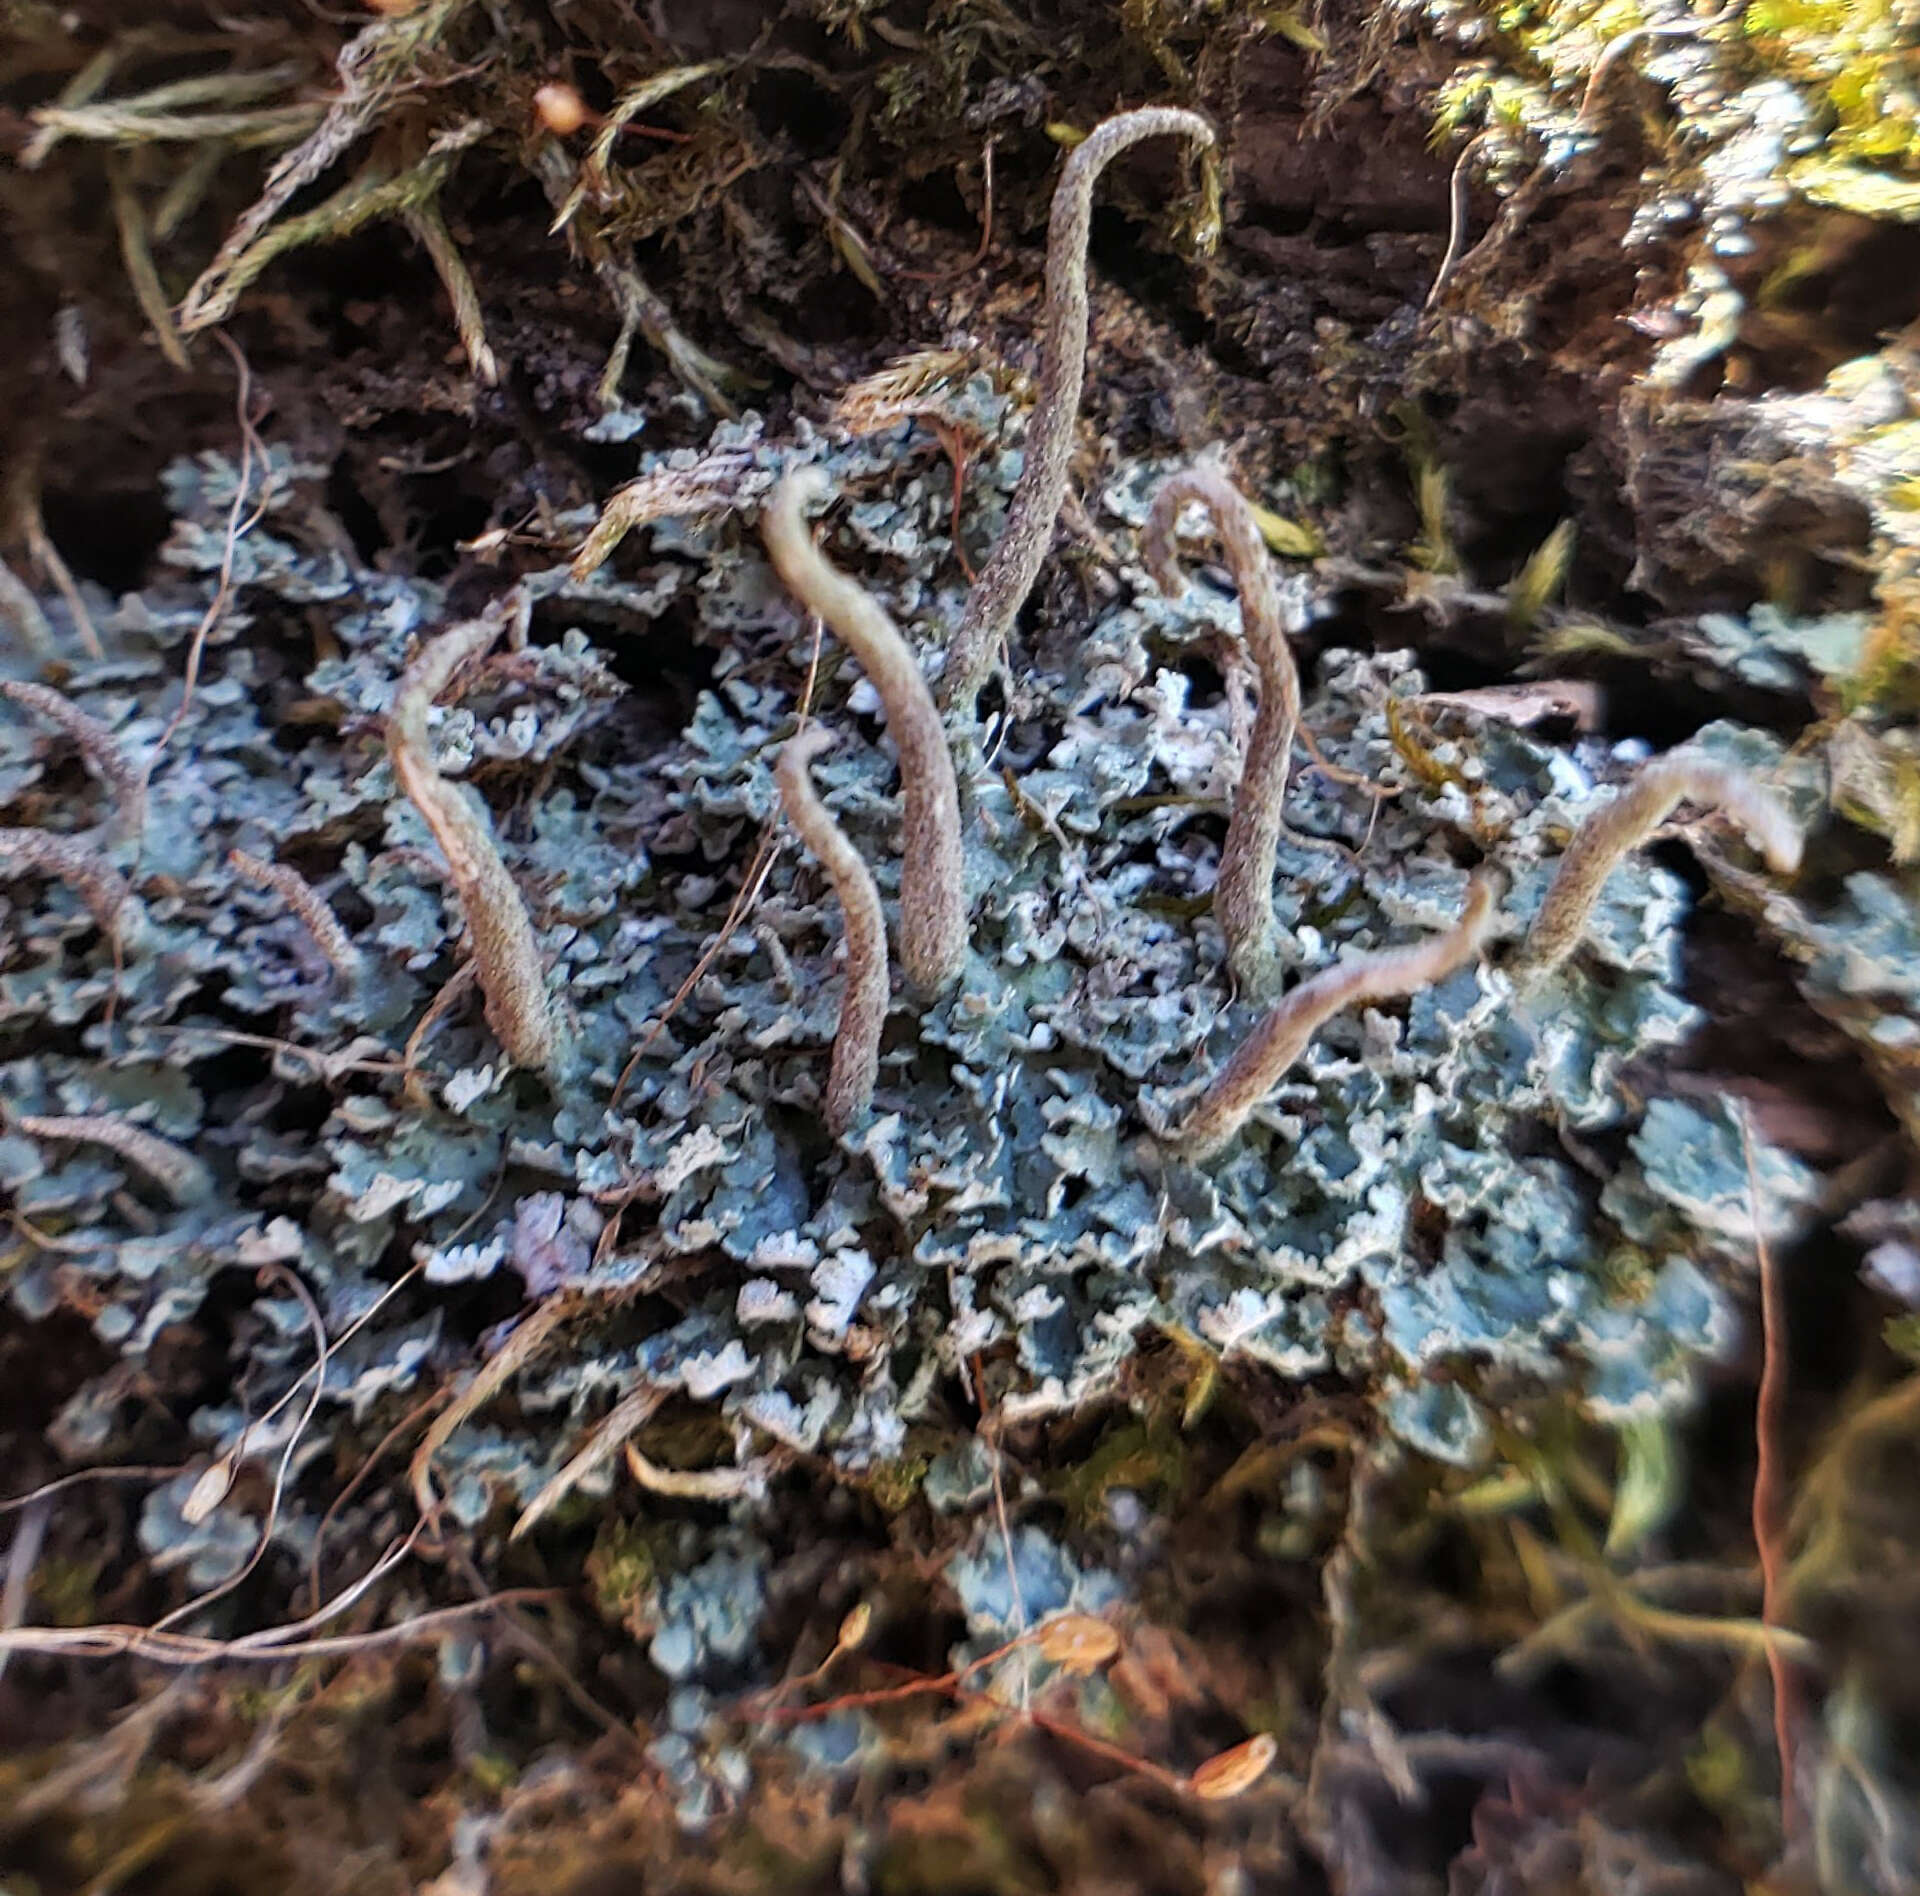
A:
(1243, 894)
(74, 861)
(98, 745)
(933, 894)
(863, 1009)
(174, 1169)
(506, 954)
(306, 902)
(1262, 1059)
(1015, 562)
(1657, 789)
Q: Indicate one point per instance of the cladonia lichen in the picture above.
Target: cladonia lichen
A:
(1281, 1037)
(1243, 896)
(505, 951)
(1657, 789)
(1008, 576)
(933, 876)
(863, 1012)
(1370, 1192)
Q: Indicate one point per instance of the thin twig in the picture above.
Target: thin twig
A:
(921, 1685)
(487, 1382)
(417, 1413)
(327, 1065)
(318, 1326)
(22, 1557)
(460, 983)
(133, 1472)
(33, 528)
(625, 1419)
(1016, 1598)
(178, 1649)
(758, 869)
(251, 446)
(1770, 1487)
(519, 1630)
(986, 232)
(1113, 1754)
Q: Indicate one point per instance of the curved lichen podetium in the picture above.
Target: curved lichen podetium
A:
(1243, 893)
(1656, 790)
(506, 954)
(1262, 1059)
(863, 1009)
(1015, 562)
(104, 757)
(933, 892)
(75, 861)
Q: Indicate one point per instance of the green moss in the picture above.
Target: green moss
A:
(1855, 60)
(1850, 63)
(1902, 1336)
(64, 1590)
(1147, 1457)
(492, 1775)
(955, 1859)
(895, 1485)
(624, 1571)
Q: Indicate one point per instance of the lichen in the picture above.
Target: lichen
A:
(999, 1202)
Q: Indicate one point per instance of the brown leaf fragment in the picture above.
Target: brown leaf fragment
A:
(1232, 1772)
(1078, 1643)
